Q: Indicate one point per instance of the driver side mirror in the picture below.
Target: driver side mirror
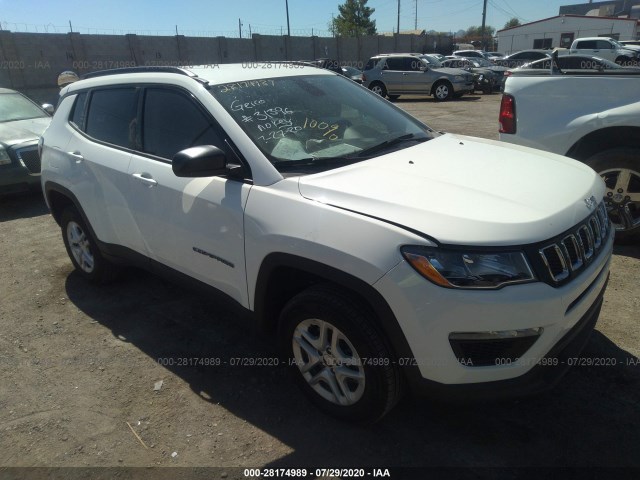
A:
(47, 107)
(201, 161)
(424, 68)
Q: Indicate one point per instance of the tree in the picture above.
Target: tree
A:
(474, 34)
(514, 22)
(354, 19)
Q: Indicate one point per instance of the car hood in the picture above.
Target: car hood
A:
(20, 131)
(464, 190)
(452, 71)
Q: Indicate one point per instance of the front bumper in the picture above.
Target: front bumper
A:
(23, 173)
(16, 178)
(428, 315)
(546, 373)
(464, 87)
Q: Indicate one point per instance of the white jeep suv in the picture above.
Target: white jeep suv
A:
(383, 255)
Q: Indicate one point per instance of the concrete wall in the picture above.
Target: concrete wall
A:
(31, 62)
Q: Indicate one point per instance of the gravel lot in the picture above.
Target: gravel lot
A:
(78, 363)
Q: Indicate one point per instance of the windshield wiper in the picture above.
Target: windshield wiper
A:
(389, 143)
(311, 161)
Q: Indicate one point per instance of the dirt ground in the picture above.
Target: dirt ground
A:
(79, 363)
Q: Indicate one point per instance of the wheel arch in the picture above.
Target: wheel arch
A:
(58, 198)
(282, 276)
(439, 81)
(604, 139)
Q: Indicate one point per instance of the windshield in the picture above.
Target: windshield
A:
(482, 62)
(616, 43)
(317, 120)
(14, 106)
(432, 61)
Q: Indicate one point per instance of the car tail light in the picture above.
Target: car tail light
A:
(507, 114)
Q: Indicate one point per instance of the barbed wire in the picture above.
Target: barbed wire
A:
(247, 30)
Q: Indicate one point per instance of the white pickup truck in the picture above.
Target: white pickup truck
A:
(591, 116)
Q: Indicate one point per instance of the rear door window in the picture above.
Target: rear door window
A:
(112, 116)
(396, 63)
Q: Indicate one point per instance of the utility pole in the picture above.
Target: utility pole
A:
(71, 28)
(398, 28)
(415, 26)
(484, 20)
(286, 2)
(240, 28)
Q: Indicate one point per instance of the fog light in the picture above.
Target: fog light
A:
(503, 347)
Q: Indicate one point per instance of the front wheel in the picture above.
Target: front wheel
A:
(626, 62)
(620, 170)
(337, 357)
(442, 91)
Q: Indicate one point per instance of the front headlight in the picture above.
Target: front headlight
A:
(469, 268)
(5, 159)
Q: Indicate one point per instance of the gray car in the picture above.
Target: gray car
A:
(492, 75)
(21, 124)
(407, 74)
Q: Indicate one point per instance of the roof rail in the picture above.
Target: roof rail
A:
(119, 71)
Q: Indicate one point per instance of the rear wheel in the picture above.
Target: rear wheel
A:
(379, 89)
(442, 91)
(338, 358)
(620, 170)
(626, 62)
(82, 249)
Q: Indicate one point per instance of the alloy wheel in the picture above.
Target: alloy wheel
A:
(622, 197)
(328, 362)
(80, 247)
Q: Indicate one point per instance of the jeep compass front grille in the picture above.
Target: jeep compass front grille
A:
(29, 157)
(578, 248)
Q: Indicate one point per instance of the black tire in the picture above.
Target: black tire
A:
(350, 323)
(442, 91)
(82, 249)
(609, 164)
(625, 61)
(379, 88)
(393, 97)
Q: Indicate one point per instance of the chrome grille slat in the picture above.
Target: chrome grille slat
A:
(578, 248)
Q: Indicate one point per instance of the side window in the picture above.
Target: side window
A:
(412, 64)
(371, 63)
(604, 45)
(112, 116)
(79, 110)
(587, 45)
(395, 63)
(172, 121)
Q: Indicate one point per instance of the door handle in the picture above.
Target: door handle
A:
(77, 156)
(148, 181)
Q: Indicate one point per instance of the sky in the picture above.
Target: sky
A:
(220, 17)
